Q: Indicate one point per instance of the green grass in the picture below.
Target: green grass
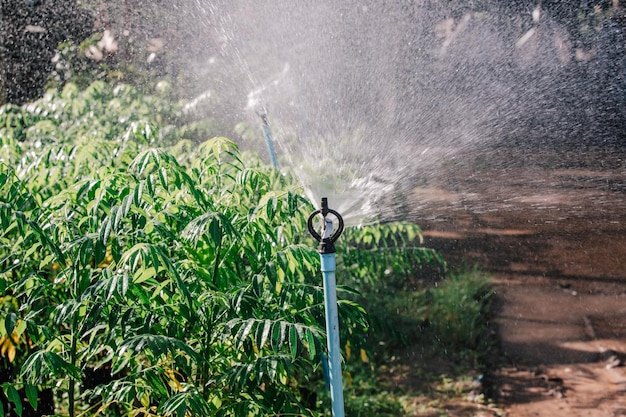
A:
(431, 349)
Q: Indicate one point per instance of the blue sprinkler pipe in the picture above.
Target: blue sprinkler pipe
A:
(327, 257)
(267, 135)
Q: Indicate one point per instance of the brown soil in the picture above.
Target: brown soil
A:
(551, 230)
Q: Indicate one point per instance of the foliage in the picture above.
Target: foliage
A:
(376, 404)
(453, 316)
(430, 351)
(459, 315)
(388, 255)
(392, 269)
(100, 125)
(172, 280)
(157, 273)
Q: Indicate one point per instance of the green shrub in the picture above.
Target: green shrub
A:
(459, 314)
(160, 276)
(380, 404)
(181, 281)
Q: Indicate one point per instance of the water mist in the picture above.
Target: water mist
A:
(368, 99)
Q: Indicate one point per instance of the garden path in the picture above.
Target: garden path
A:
(550, 228)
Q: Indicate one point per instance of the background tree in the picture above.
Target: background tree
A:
(30, 33)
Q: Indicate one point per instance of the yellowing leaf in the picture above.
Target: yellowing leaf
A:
(7, 349)
(11, 352)
(364, 357)
(174, 383)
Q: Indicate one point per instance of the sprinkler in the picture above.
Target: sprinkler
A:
(267, 135)
(327, 256)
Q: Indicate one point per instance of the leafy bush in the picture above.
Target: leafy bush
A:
(181, 282)
(172, 280)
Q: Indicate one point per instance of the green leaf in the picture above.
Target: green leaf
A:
(31, 395)
(215, 232)
(123, 285)
(163, 177)
(271, 206)
(45, 261)
(35, 247)
(270, 271)
(85, 251)
(293, 341)
(112, 286)
(262, 333)
(21, 327)
(9, 323)
(310, 340)
(176, 404)
(14, 397)
(144, 274)
(138, 193)
(155, 382)
(243, 332)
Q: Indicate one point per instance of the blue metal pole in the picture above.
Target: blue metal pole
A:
(332, 333)
(328, 267)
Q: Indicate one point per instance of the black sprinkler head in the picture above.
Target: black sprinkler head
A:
(327, 242)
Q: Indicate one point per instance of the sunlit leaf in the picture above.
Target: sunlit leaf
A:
(263, 333)
(244, 331)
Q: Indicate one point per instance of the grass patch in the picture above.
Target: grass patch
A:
(433, 350)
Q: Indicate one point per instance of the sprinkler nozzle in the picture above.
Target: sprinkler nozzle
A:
(327, 238)
(324, 208)
(261, 111)
(328, 223)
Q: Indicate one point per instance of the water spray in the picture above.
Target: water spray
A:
(328, 267)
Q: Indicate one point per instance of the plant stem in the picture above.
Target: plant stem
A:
(74, 344)
(72, 385)
(216, 267)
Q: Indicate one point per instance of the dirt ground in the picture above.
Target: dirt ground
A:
(550, 227)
